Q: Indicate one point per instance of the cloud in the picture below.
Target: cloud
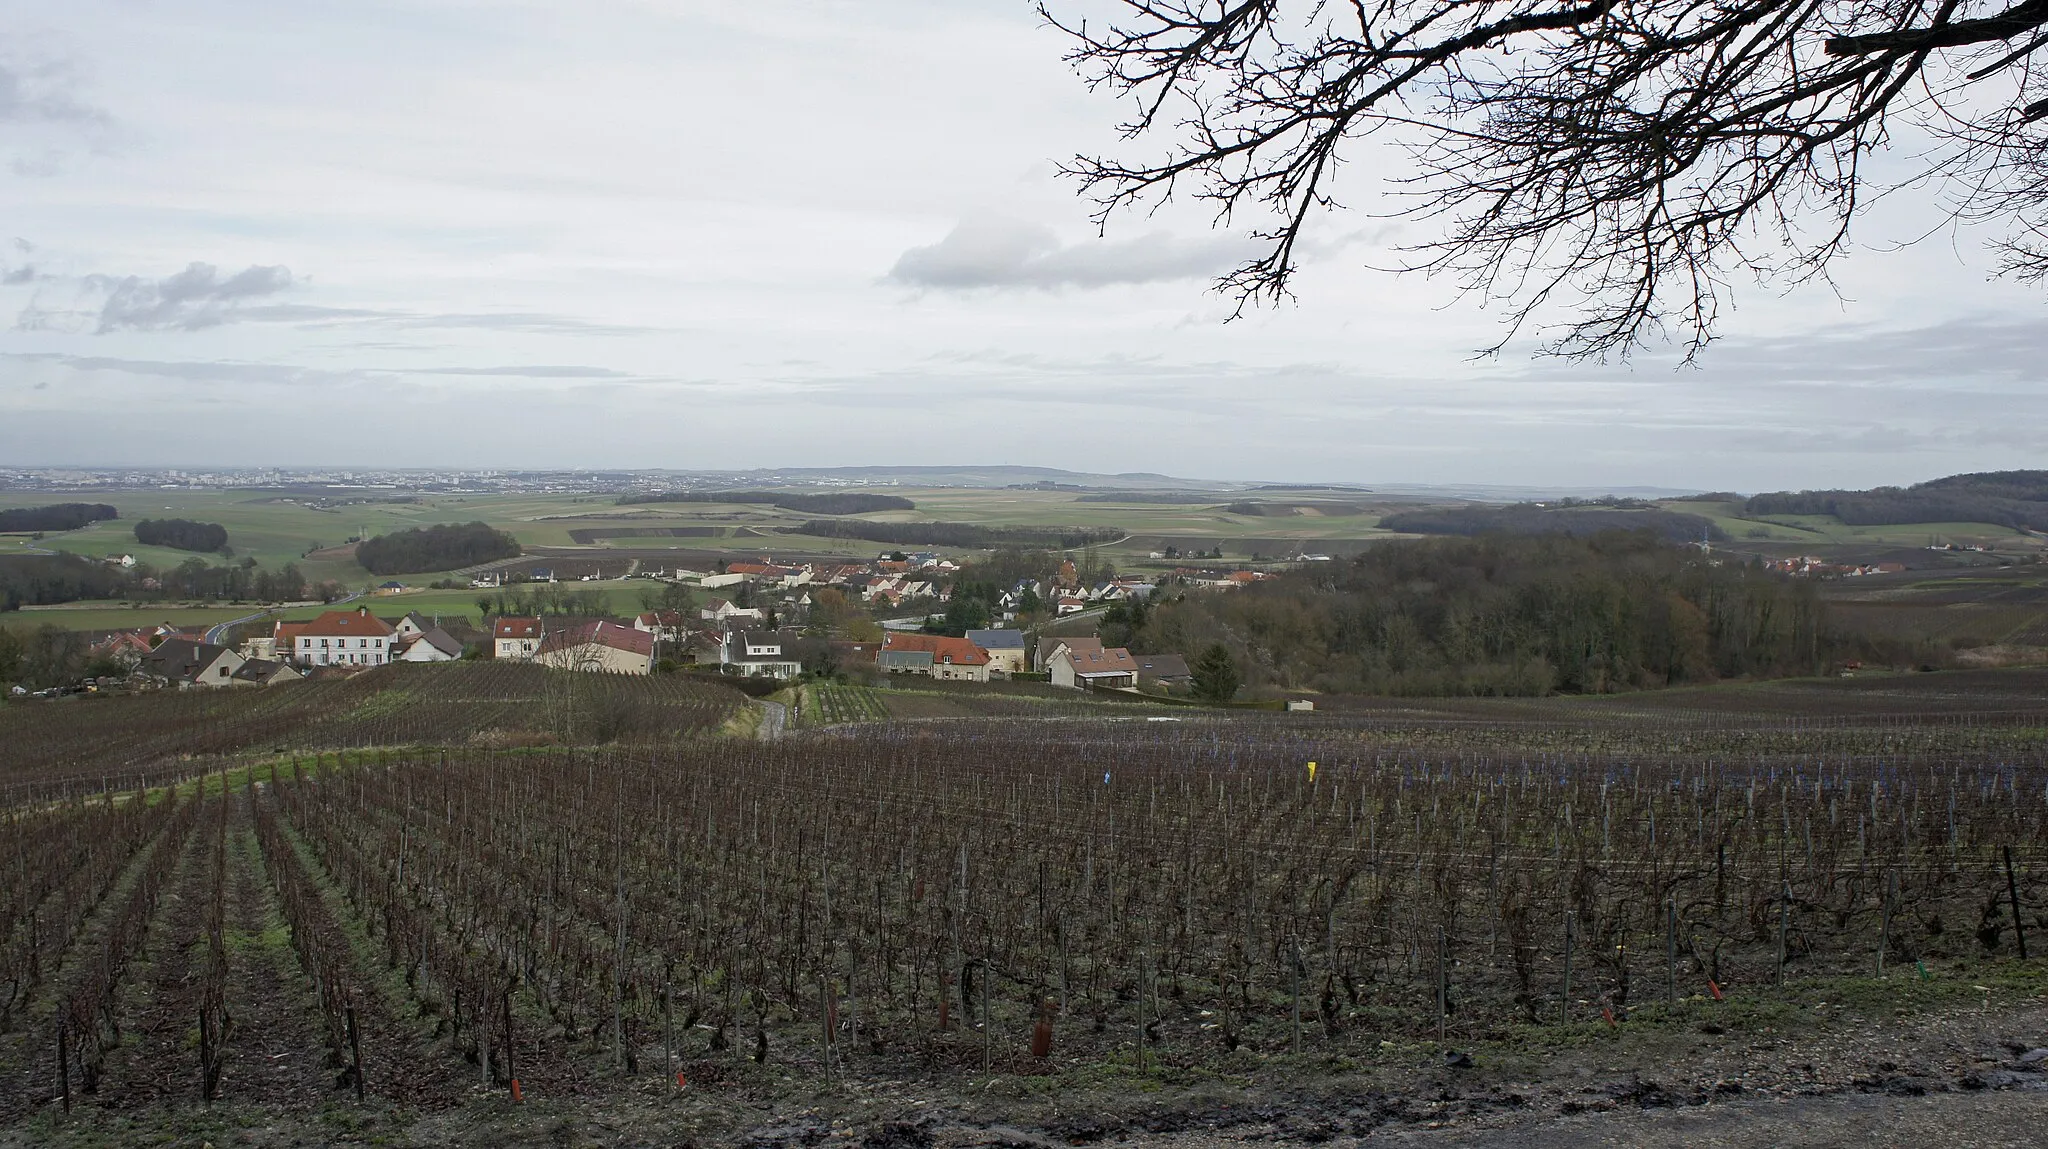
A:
(230, 371)
(32, 93)
(996, 252)
(194, 298)
(528, 322)
(26, 273)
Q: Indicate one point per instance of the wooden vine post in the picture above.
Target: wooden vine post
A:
(355, 1051)
(2012, 893)
(1564, 1004)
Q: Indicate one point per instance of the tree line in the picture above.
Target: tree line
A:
(181, 534)
(832, 503)
(443, 546)
(937, 534)
(1567, 517)
(1502, 615)
(56, 517)
(47, 580)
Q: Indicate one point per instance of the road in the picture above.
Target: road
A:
(219, 630)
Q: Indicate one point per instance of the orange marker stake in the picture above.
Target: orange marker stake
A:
(1714, 989)
(1609, 1015)
(516, 1096)
(679, 1081)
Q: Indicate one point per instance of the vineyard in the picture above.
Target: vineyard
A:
(425, 925)
(91, 743)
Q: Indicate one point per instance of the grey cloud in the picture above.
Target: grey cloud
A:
(228, 371)
(192, 299)
(1011, 253)
(37, 93)
(26, 273)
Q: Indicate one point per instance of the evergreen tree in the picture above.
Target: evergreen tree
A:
(1215, 675)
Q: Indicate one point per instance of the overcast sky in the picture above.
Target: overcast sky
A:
(783, 233)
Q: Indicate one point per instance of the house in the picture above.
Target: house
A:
(183, 662)
(127, 647)
(284, 639)
(1070, 604)
(665, 625)
(265, 672)
(719, 610)
(344, 638)
(411, 626)
(435, 645)
(598, 646)
(701, 648)
(1084, 664)
(1169, 670)
(516, 639)
(758, 654)
(952, 659)
(392, 587)
(1007, 653)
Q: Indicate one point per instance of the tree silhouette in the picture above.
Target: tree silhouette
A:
(1625, 159)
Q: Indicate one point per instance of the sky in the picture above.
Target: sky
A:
(640, 234)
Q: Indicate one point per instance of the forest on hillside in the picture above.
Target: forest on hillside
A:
(1502, 615)
(2016, 499)
(443, 546)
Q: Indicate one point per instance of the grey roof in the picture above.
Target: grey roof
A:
(1162, 665)
(180, 657)
(262, 670)
(442, 641)
(904, 660)
(997, 639)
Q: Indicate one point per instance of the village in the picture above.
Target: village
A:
(748, 619)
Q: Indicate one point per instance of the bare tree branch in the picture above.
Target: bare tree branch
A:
(1627, 159)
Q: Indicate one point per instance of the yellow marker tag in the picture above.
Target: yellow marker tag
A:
(1311, 771)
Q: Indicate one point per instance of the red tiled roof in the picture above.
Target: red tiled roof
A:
(957, 651)
(1094, 658)
(516, 628)
(346, 624)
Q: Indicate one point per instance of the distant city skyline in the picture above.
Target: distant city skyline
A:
(713, 236)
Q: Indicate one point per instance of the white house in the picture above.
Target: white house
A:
(344, 638)
(756, 654)
(516, 639)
